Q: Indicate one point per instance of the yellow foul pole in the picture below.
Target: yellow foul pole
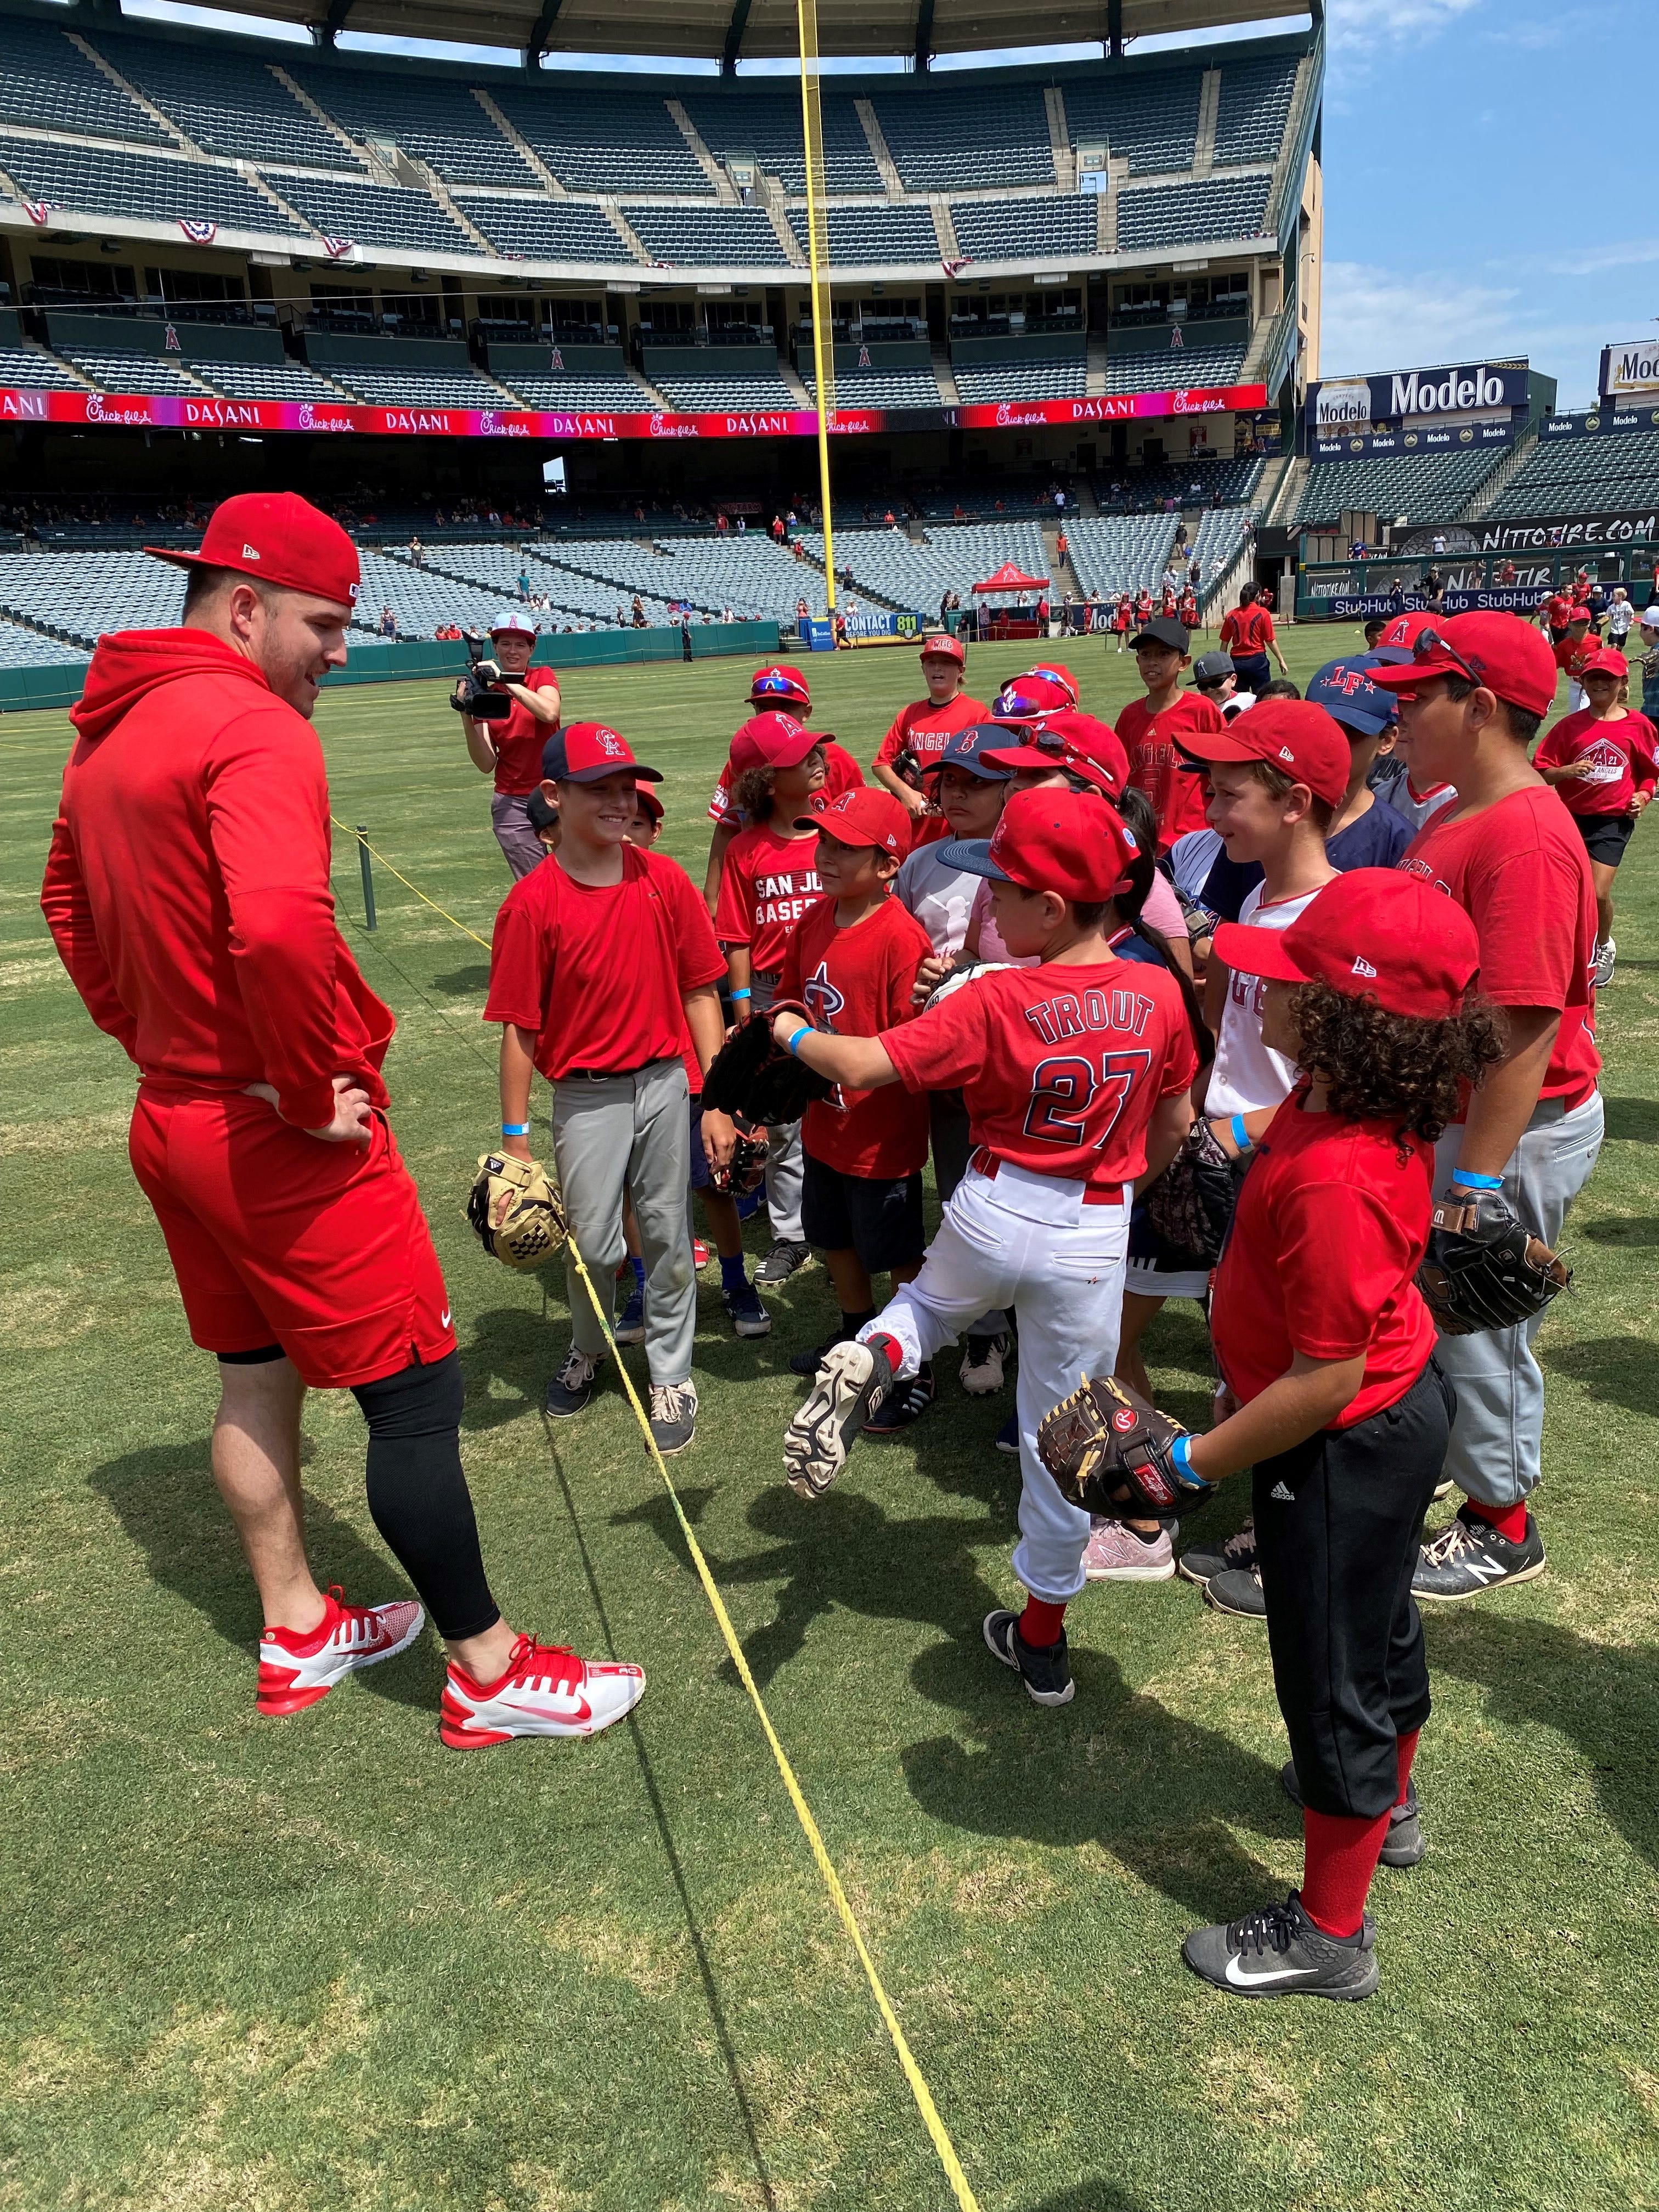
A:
(818, 250)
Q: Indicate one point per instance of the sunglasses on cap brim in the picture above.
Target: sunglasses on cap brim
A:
(1430, 644)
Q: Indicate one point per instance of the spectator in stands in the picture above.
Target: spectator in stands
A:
(524, 584)
(638, 613)
(388, 623)
(417, 554)
(1194, 573)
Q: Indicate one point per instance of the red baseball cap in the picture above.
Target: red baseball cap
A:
(1373, 932)
(1607, 661)
(1300, 740)
(649, 800)
(943, 646)
(1580, 613)
(781, 685)
(1055, 672)
(279, 538)
(1026, 698)
(771, 740)
(1404, 628)
(1500, 651)
(588, 751)
(1070, 842)
(863, 816)
(1032, 755)
(1087, 734)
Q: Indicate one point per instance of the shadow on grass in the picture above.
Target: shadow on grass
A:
(166, 1501)
(1605, 1699)
(1636, 1120)
(464, 982)
(1619, 1370)
(1098, 2195)
(1619, 1229)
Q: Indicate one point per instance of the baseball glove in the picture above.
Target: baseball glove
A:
(1484, 1268)
(753, 1077)
(747, 1169)
(1192, 1201)
(515, 1211)
(1109, 1452)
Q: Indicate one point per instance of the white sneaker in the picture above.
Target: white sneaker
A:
(1601, 966)
(1115, 1553)
(546, 1691)
(982, 1364)
(295, 1670)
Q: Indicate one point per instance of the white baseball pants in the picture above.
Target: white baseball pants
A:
(1026, 1241)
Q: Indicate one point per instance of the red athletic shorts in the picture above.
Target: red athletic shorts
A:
(278, 1238)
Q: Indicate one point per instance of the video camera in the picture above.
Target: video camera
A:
(475, 693)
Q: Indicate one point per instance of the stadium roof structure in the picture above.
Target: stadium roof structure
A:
(729, 31)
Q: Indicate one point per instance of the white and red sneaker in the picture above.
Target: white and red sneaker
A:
(546, 1691)
(295, 1670)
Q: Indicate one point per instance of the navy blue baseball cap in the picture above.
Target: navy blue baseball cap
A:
(1344, 689)
(966, 750)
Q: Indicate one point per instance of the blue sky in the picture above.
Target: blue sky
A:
(1483, 193)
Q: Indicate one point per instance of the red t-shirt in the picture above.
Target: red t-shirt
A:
(519, 740)
(600, 973)
(1328, 1235)
(841, 772)
(1621, 755)
(767, 884)
(1156, 769)
(1559, 610)
(927, 729)
(1246, 631)
(1571, 657)
(1060, 1066)
(1520, 872)
(858, 983)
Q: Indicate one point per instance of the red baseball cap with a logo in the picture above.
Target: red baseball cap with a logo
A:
(1504, 654)
(944, 648)
(1609, 661)
(781, 685)
(280, 538)
(586, 752)
(1300, 740)
(1403, 629)
(1070, 842)
(863, 817)
(1374, 933)
(771, 741)
(1024, 698)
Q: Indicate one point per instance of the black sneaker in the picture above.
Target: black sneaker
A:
(1008, 1436)
(1468, 1556)
(1047, 1674)
(905, 1402)
(573, 1386)
(808, 1362)
(673, 1416)
(1279, 1953)
(1199, 1562)
(851, 1384)
(745, 1312)
(1405, 1844)
(1238, 1591)
(785, 1259)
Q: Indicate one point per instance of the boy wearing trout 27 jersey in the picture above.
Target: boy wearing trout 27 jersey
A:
(1076, 1075)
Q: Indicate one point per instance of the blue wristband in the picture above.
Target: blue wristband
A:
(1242, 1136)
(1471, 1182)
(515, 1128)
(794, 1038)
(735, 995)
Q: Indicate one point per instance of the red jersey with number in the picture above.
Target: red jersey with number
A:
(858, 983)
(1331, 1225)
(841, 772)
(1619, 757)
(767, 884)
(925, 729)
(1246, 631)
(519, 740)
(1519, 870)
(554, 965)
(1156, 769)
(1060, 1066)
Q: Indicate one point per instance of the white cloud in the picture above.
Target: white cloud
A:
(1374, 319)
(1360, 32)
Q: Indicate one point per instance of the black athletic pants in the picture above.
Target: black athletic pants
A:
(1338, 1521)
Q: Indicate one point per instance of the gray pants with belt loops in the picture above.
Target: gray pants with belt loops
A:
(1498, 1434)
(632, 1129)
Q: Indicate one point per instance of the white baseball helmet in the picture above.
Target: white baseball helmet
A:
(511, 619)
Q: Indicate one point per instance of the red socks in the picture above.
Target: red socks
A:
(1510, 1521)
(888, 1348)
(1041, 1623)
(1339, 1859)
(1405, 1750)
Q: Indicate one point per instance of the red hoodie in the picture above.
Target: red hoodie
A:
(187, 886)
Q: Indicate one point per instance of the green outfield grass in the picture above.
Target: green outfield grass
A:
(253, 1967)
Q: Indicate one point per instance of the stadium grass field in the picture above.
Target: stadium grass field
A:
(284, 1968)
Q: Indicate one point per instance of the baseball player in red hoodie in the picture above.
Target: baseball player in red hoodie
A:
(187, 891)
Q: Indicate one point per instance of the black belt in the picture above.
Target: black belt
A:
(613, 1074)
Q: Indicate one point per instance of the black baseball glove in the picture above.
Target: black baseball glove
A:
(753, 1077)
(1191, 1203)
(1484, 1268)
(747, 1169)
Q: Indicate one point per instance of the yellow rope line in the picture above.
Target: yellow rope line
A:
(936, 2129)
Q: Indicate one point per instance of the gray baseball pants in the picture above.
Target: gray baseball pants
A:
(521, 849)
(786, 1163)
(633, 1129)
(1497, 1435)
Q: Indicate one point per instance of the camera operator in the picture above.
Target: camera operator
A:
(511, 746)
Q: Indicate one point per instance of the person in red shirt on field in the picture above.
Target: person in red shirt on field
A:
(769, 879)
(512, 748)
(1330, 1392)
(188, 891)
(919, 732)
(602, 959)
(1471, 700)
(1574, 649)
(1076, 1073)
(1602, 762)
(1123, 621)
(1247, 633)
(853, 960)
(1149, 729)
(779, 688)
(1557, 612)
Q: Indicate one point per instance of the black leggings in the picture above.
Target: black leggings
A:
(418, 1496)
(1337, 1524)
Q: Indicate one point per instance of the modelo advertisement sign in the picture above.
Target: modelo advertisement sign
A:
(1384, 412)
(1629, 369)
(1445, 438)
(1600, 421)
